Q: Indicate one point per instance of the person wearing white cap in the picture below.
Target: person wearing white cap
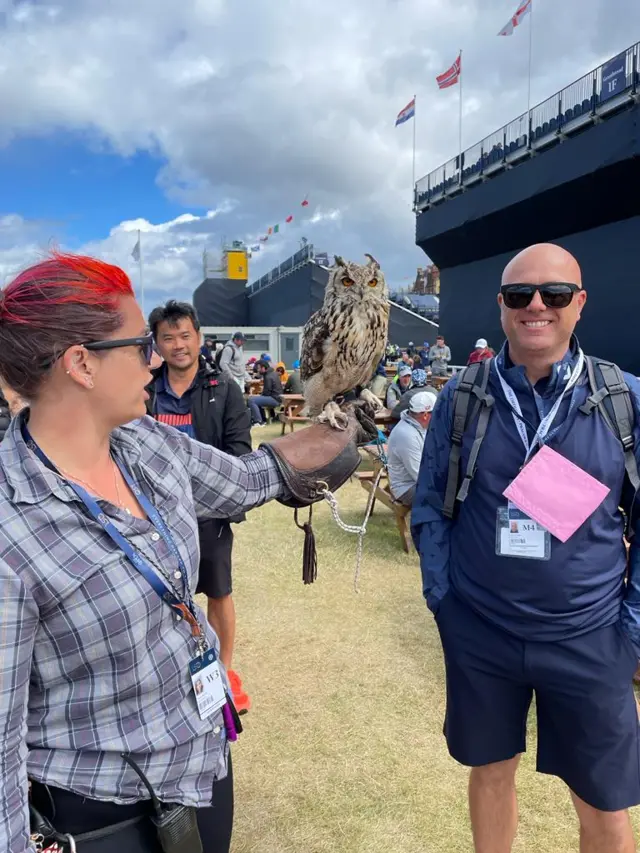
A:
(404, 450)
(481, 352)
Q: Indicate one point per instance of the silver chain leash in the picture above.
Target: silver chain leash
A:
(359, 529)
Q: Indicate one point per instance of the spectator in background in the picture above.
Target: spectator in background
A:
(439, 357)
(417, 361)
(231, 359)
(294, 382)
(406, 358)
(400, 384)
(424, 356)
(271, 393)
(419, 383)
(481, 352)
(208, 349)
(190, 394)
(410, 349)
(404, 450)
(378, 384)
(281, 370)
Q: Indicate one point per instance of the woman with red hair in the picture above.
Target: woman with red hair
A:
(101, 643)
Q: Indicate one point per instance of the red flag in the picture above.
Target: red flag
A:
(305, 203)
(451, 75)
(270, 231)
(263, 239)
(289, 219)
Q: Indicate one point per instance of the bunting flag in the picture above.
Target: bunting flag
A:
(275, 229)
(523, 10)
(451, 76)
(255, 248)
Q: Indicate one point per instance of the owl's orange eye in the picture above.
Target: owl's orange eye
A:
(348, 282)
(373, 282)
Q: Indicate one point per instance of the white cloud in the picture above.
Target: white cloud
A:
(256, 103)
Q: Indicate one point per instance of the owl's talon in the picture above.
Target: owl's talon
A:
(369, 397)
(333, 416)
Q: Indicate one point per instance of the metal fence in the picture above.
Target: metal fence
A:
(599, 91)
(302, 256)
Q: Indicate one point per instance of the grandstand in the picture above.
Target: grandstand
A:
(576, 108)
(568, 172)
(289, 294)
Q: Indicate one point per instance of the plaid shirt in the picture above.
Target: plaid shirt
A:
(92, 662)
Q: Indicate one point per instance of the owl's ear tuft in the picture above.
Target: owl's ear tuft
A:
(372, 261)
(339, 261)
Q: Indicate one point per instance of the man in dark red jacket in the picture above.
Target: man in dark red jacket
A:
(481, 352)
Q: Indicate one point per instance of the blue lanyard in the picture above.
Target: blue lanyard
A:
(185, 609)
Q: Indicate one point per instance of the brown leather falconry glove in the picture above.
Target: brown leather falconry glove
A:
(317, 459)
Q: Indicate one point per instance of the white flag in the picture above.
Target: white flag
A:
(136, 251)
(523, 9)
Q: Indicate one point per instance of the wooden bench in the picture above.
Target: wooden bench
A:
(400, 511)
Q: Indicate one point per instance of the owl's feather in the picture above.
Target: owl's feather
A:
(343, 342)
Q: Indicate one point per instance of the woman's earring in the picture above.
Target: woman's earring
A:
(90, 385)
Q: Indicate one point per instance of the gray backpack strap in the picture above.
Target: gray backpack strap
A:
(608, 387)
(471, 385)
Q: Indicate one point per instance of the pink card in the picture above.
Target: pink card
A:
(556, 493)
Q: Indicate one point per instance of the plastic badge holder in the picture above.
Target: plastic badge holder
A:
(556, 493)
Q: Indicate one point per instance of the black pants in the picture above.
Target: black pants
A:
(75, 814)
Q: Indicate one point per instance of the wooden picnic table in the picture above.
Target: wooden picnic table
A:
(438, 382)
(383, 494)
(254, 387)
(292, 405)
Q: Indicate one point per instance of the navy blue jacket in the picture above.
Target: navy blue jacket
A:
(582, 587)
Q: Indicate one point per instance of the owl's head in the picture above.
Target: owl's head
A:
(356, 282)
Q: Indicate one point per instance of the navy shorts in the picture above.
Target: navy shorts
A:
(216, 543)
(588, 733)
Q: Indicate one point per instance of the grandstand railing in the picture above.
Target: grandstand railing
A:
(599, 92)
(298, 259)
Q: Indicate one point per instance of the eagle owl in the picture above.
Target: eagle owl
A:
(343, 342)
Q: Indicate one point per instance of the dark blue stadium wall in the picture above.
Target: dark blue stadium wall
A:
(221, 302)
(292, 299)
(583, 194)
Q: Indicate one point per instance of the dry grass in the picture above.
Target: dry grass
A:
(343, 750)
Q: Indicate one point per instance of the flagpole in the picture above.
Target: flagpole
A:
(141, 275)
(460, 120)
(530, 53)
(413, 181)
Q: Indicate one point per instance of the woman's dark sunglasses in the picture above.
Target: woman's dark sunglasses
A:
(145, 342)
(554, 294)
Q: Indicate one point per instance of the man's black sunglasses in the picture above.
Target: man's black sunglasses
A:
(554, 294)
(145, 342)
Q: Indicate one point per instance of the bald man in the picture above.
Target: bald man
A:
(519, 611)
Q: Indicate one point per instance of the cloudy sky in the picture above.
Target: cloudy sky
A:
(203, 120)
